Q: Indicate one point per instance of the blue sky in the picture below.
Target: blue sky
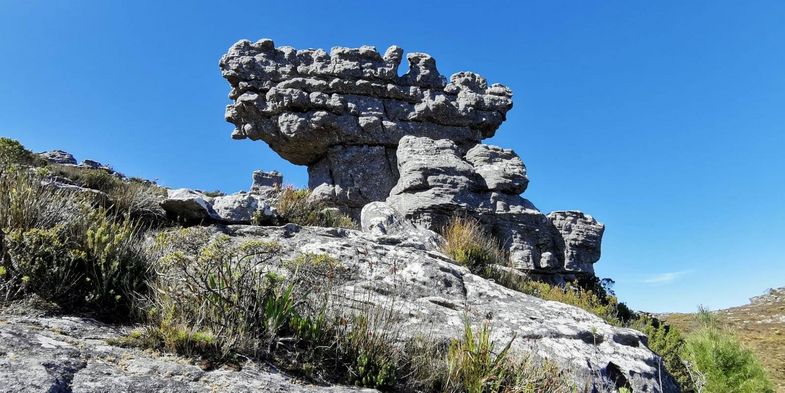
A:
(665, 120)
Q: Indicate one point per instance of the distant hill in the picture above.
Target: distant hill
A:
(760, 325)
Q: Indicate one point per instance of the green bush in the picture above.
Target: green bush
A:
(12, 152)
(667, 342)
(62, 248)
(721, 362)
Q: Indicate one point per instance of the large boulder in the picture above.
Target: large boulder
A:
(428, 296)
(189, 205)
(439, 181)
(387, 224)
(241, 207)
(582, 236)
(342, 113)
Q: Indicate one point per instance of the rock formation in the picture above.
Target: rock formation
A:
(343, 113)
(239, 208)
(368, 134)
(438, 181)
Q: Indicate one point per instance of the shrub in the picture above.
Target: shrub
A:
(724, 364)
(140, 200)
(26, 203)
(667, 342)
(294, 206)
(38, 261)
(473, 365)
(65, 250)
(93, 178)
(12, 152)
(468, 244)
(117, 269)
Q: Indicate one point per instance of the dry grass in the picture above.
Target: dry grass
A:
(468, 244)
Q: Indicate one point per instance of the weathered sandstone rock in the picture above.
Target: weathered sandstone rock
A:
(343, 113)
(40, 353)
(582, 236)
(429, 296)
(189, 205)
(388, 225)
(437, 181)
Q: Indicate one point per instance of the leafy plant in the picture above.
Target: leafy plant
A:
(723, 361)
(12, 152)
(667, 342)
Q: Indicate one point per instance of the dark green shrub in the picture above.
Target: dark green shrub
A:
(66, 250)
(12, 152)
(721, 363)
(667, 342)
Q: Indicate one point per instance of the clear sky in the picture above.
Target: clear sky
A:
(664, 120)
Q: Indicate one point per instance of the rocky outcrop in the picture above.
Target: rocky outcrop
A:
(389, 226)
(342, 113)
(582, 236)
(41, 353)
(428, 296)
(58, 157)
(438, 181)
(189, 205)
(240, 208)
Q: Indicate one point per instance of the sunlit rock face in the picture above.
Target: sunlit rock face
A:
(368, 134)
(342, 113)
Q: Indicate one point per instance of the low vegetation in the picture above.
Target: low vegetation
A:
(720, 355)
(219, 299)
(58, 245)
(467, 243)
(294, 206)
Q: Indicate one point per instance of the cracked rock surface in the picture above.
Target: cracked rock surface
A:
(62, 354)
(430, 296)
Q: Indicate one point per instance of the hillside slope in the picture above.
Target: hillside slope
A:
(760, 325)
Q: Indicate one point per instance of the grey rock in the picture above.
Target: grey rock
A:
(582, 236)
(341, 176)
(40, 353)
(429, 296)
(189, 205)
(58, 157)
(438, 182)
(381, 220)
(502, 169)
(94, 165)
(264, 181)
(346, 111)
(240, 208)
